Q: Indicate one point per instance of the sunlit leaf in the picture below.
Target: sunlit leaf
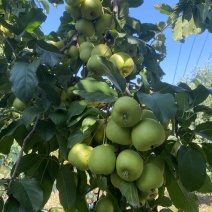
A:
(164, 8)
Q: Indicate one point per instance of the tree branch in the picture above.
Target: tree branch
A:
(115, 7)
(73, 39)
(22, 151)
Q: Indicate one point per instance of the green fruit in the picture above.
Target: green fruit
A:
(59, 44)
(75, 12)
(81, 39)
(148, 114)
(115, 179)
(94, 65)
(157, 161)
(85, 45)
(18, 104)
(102, 160)
(100, 131)
(147, 134)
(129, 165)
(72, 52)
(151, 178)
(85, 27)
(102, 50)
(79, 155)
(126, 112)
(123, 62)
(117, 134)
(91, 9)
(74, 3)
(104, 204)
(85, 54)
(105, 21)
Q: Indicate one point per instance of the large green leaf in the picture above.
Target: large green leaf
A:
(66, 186)
(191, 162)
(183, 101)
(130, 191)
(13, 205)
(95, 91)
(135, 3)
(49, 54)
(162, 105)
(5, 145)
(32, 19)
(28, 193)
(1, 204)
(163, 8)
(180, 197)
(207, 147)
(112, 73)
(205, 130)
(24, 80)
(177, 31)
(207, 186)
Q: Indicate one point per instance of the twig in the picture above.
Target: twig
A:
(133, 83)
(115, 7)
(21, 152)
(128, 91)
(73, 39)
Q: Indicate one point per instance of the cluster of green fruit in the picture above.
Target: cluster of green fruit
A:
(135, 131)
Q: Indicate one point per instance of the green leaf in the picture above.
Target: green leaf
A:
(32, 19)
(12, 205)
(67, 188)
(76, 108)
(207, 186)
(180, 197)
(199, 95)
(5, 145)
(177, 31)
(95, 91)
(49, 54)
(191, 162)
(162, 105)
(58, 118)
(163, 8)
(207, 147)
(30, 113)
(203, 108)
(130, 191)
(45, 129)
(163, 201)
(135, 3)
(1, 204)
(112, 73)
(204, 130)
(24, 80)
(28, 193)
(183, 101)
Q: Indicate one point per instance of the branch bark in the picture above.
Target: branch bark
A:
(73, 39)
(22, 151)
(115, 7)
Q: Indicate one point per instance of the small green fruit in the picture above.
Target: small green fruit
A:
(117, 134)
(129, 165)
(59, 44)
(148, 114)
(102, 50)
(18, 104)
(85, 27)
(147, 134)
(75, 12)
(100, 131)
(85, 54)
(115, 179)
(72, 52)
(79, 155)
(126, 112)
(91, 9)
(105, 21)
(102, 160)
(74, 3)
(85, 44)
(123, 62)
(104, 204)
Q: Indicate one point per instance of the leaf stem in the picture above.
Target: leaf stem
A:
(22, 151)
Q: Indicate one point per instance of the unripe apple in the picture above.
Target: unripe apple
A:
(129, 165)
(81, 39)
(72, 52)
(148, 114)
(18, 104)
(147, 134)
(85, 44)
(151, 178)
(85, 54)
(59, 44)
(85, 27)
(74, 3)
(75, 12)
(100, 131)
(117, 134)
(105, 21)
(102, 50)
(104, 204)
(123, 62)
(78, 156)
(126, 112)
(91, 9)
(157, 161)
